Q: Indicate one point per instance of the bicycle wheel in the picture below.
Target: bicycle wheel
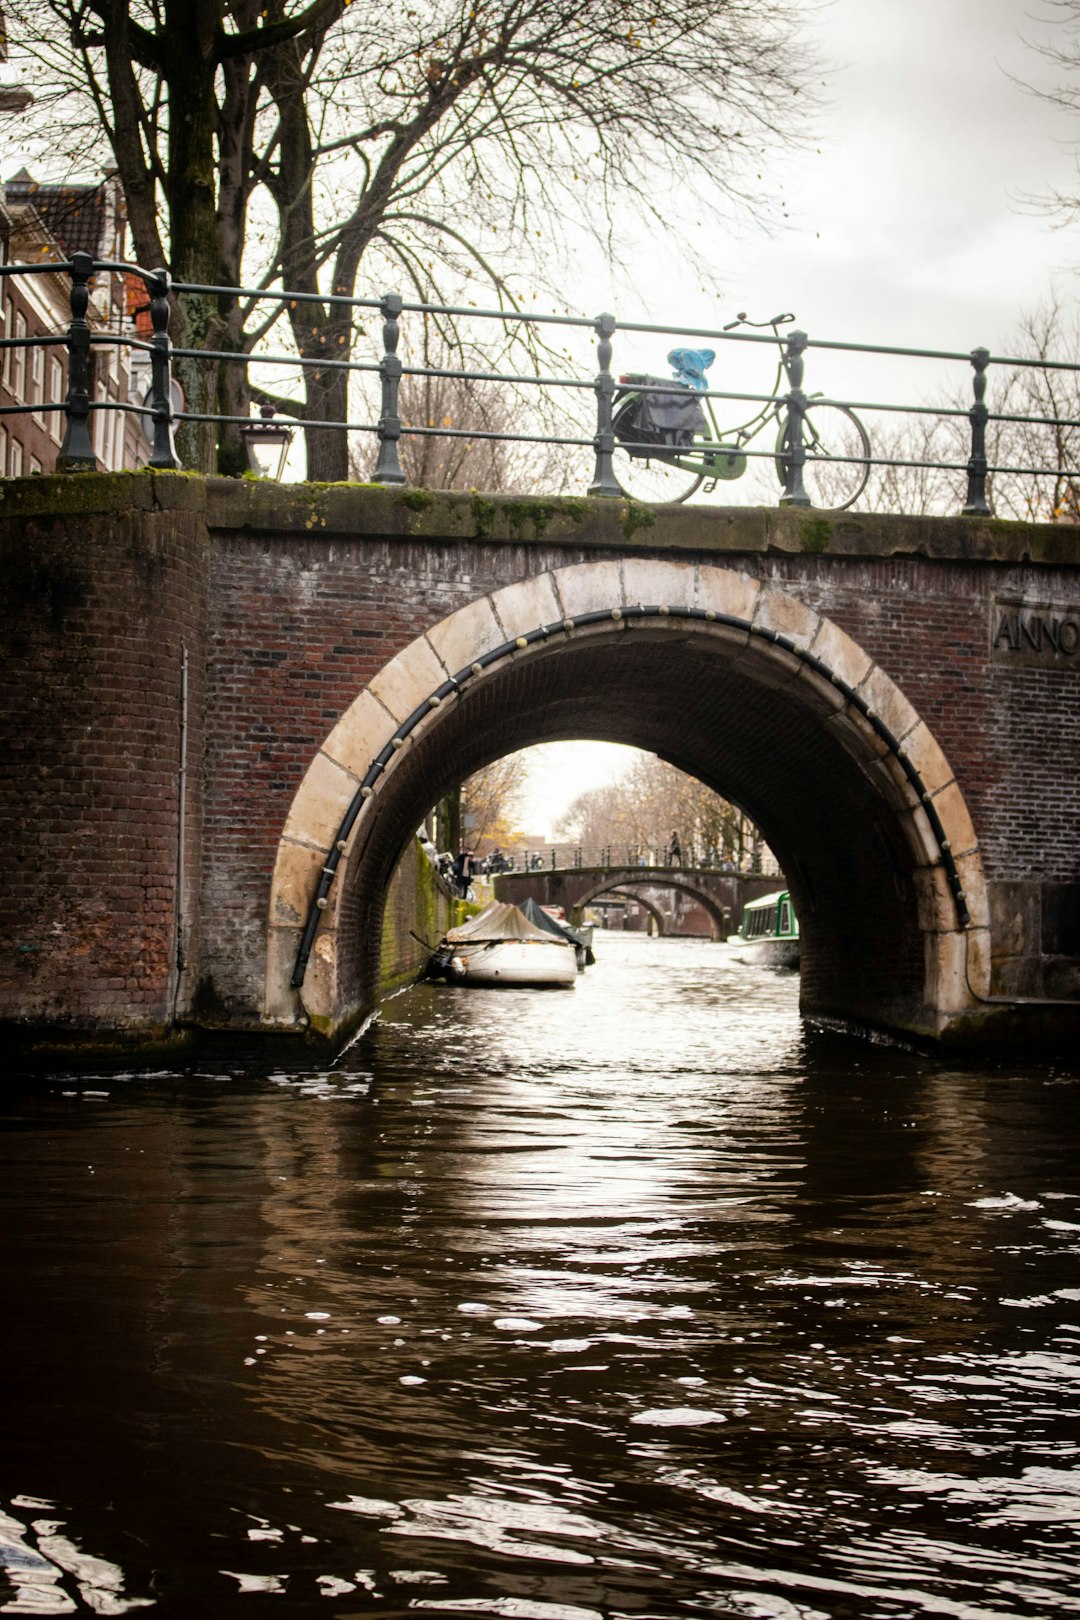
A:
(655, 480)
(837, 456)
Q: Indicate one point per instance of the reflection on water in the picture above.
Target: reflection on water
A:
(640, 1301)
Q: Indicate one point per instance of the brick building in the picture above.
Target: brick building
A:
(42, 224)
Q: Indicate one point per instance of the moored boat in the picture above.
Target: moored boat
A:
(769, 933)
(501, 946)
(553, 920)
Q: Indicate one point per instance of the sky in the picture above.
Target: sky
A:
(907, 226)
(906, 223)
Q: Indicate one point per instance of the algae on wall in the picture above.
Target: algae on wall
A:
(417, 903)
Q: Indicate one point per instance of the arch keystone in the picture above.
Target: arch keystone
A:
(651, 583)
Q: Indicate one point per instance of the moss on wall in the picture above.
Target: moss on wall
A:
(417, 904)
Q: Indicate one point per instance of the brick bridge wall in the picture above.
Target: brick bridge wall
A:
(289, 600)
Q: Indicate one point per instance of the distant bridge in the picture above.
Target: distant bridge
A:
(721, 894)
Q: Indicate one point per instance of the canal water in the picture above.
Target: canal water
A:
(634, 1300)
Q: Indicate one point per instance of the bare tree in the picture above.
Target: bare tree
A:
(1032, 438)
(650, 802)
(491, 801)
(467, 419)
(1038, 430)
(1062, 52)
(299, 142)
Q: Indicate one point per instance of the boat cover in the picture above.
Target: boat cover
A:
(539, 917)
(500, 920)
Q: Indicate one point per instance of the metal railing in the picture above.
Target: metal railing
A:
(77, 452)
(617, 857)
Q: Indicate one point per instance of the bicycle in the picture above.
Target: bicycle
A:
(668, 442)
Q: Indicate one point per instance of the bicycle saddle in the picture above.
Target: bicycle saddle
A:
(691, 366)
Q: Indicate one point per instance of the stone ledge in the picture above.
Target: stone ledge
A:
(369, 511)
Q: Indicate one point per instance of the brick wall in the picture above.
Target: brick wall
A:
(96, 611)
(289, 603)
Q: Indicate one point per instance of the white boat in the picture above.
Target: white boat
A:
(501, 946)
(553, 920)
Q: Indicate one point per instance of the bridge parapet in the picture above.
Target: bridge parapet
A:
(572, 857)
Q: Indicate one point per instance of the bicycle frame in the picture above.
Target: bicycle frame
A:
(732, 442)
(820, 451)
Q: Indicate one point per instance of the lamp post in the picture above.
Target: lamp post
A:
(266, 443)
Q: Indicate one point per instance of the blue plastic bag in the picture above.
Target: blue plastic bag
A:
(691, 366)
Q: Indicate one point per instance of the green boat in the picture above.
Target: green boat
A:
(769, 933)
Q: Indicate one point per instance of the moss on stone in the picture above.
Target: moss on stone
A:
(416, 500)
(536, 514)
(484, 514)
(637, 517)
(815, 534)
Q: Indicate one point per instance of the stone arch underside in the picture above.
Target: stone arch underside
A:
(735, 682)
(630, 882)
(637, 899)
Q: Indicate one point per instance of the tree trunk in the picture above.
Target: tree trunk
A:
(327, 448)
(192, 197)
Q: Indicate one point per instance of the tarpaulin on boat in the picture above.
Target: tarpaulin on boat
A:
(500, 920)
(540, 919)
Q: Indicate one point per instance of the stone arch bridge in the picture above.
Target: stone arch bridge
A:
(721, 894)
(228, 705)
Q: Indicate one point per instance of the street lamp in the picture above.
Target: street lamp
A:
(266, 443)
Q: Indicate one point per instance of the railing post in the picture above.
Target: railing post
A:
(604, 443)
(163, 453)
(794, 492)
(77, 451)
(388, 465)
(977, 504)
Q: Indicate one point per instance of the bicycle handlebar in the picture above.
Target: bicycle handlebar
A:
(775, 321)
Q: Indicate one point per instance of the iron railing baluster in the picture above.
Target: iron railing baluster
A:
(76, 453)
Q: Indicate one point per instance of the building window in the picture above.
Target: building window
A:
(35, 466)
(37, 382)
(15, 460)
(3, 452)
(18, 365)
(56, 394)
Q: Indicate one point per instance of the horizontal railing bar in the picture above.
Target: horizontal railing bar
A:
(46, 268)
(47, 340)
(32, 410)
(271, 293)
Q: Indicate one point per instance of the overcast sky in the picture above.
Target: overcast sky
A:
(907, 224)
(906, 220)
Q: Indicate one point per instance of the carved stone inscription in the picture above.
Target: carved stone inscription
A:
(1027, 635)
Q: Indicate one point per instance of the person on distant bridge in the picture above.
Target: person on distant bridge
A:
(674, 851)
